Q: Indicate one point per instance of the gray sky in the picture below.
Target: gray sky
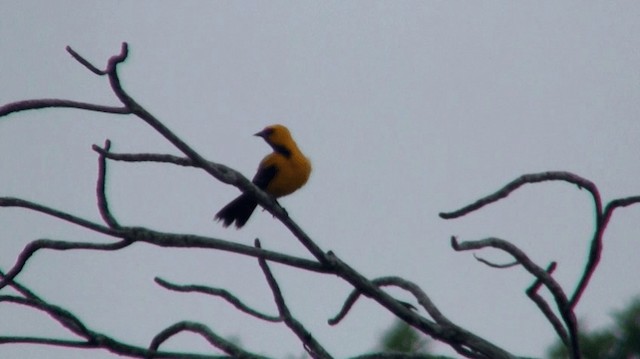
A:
(405, 108)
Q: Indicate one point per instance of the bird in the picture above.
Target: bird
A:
(280, 173)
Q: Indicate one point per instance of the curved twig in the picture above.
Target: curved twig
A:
(224, 294)
(409, 286)
(17, 202)
(202, 330)
(61, 315)
(463, 341)
(595, 251)
(36, 245)
(103, 203)
(25, 105)
(521, 181)
(91, 338)
(495, 265)
(540, 274)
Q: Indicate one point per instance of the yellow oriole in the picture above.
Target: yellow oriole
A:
(280, 173)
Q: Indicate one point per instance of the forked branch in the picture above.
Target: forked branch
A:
(565, 306)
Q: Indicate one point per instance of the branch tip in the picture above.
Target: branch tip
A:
(454, 243)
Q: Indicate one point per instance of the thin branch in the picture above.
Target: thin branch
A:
(17, 202)
(602, 220)
(132, 352)
(346, 307)
(68, 320)
(218, 293)
(620, 203)
(61, 315)
(36, 245)
(422, 298)
(540, 274)
(313, 347)
(26, 292)
(131, 235)
(47, 341)
(455, 336)
(411, 287)
(202, 330)
(193, 241)
(532, 292)
(138, 234)
(525, 179)
(36, 104)
(85, 63)
(148, 157)
(495, 265)
(521, 257)
(103, 203)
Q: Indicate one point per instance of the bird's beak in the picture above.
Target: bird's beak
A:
(264, 133)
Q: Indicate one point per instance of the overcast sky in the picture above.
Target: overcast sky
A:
(406, 109)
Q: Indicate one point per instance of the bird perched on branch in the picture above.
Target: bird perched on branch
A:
(280, 173)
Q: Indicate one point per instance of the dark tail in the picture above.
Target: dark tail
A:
(239, 210)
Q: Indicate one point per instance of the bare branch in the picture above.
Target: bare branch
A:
(522, 180)
(418, 293)
(61, 315)
(411, 287)
(138, 234)
(202, 330)
(218, 293)
(147, 157)
(85, 63)
(519, 256)
(494, 265)
(17, 202)
(602, 220)
(544, 307)
(463, 341)
(36, 245)
(311, 345)
(103, 203)
(540, 274)
(47, 341)
(58, 103)
(67, 319)
(21, 289)
(346, 307)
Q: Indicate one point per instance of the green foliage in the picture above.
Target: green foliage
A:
(621, 340)
(402, 338)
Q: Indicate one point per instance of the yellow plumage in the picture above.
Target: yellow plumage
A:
(280, 173)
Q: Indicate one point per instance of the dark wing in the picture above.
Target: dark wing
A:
(264, 176)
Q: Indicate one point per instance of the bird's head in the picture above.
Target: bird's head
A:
(275, 135)
(279, 138)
